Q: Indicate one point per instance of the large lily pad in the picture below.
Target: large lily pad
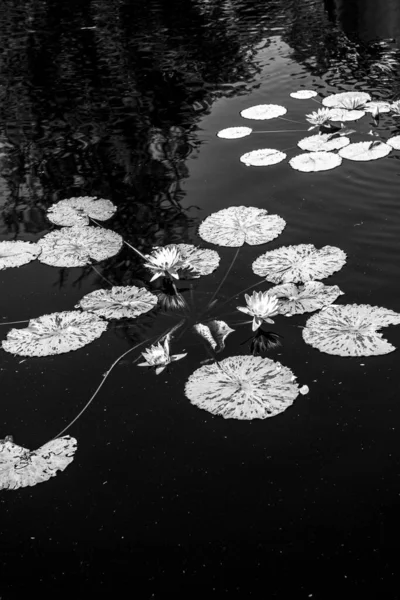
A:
(347, 100)
(55, 333)
(233, 133)
(323, 142)
(17, 253)
(262, 112)
(239, 224)
(298, 299)
(118, 303)
(263, 157)
(350, 330)
(315, 161)
(77, 211)
(20, 467)
(298, 264)
(78, 246)
(303, 94)
(364, 151)
(243, 387)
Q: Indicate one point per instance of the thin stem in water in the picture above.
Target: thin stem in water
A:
(101, 275)
(224, 278)
(280, 130)
(125, 242)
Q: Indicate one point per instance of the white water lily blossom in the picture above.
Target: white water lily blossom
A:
(319, 117)
(261, 306)
(158, 356)
(395, 108)
(164, 262)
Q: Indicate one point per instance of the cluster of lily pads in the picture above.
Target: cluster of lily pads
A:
(320, 149)
(242, 387)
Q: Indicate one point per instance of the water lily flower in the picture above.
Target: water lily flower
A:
(158, 356)
(319, 117)
(164, 262)
(260, 306)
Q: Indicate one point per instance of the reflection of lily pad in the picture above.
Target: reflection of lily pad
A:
(363, 151)
(214, 332)
(312, 295)
(20, 467)
(16, 253)
(243, 387)
(236, 225)
(262, 112)
(233, 133)
(315, 161)
(298, 264)
(78, 246)
(76, 211)
(120, 302)
(350, 330)
(263, 157)
(55, 333)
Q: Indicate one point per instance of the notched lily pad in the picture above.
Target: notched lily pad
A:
(119, 302)
(78, 246)
(323, 142)
(364, 151)
(236, 225)
(262, 112)
(347, 100)
(243, 387)
(55, 333)
(16, 253)
(263, 157)
(298, 264)
(20, 467)
(315, 161)
(350, 330)
(233, 133)
(77, 211)
(298, 299)
(303, 94)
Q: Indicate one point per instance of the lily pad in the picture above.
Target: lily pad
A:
(364, 151)
(118, 303)
(311, 296)
(394, 142)
(263, 157)
(380, 107)
(323, 143)
(298, 264)
(315, 161)
(303, 94)
(263, 112)
(243, 387)
(77, 211)
(55, 333)
(78, 246)
(233, 133)
(16, 253)
(340, 114)
(350, 330)
(236, 225)
(193, 261)
(20, 467)
(347, 100)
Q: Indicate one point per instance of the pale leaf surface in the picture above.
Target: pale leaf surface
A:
(76, 211)
(315, 161)
(323, 143)
(119, 302)
(311, 296)
(233, 133)
(262, 112)
(364, 151)
(263, 157)
(16, 253)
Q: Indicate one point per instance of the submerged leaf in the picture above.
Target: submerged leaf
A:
(20, 467)
(262, 112)
(120, 302)
(350, 330)
(233, 133)
(236, 225)
(55, 333)
(303, 94)
(263, 157)
(78, 246)
(323, 143)
(312, 295)
(298, 264)
(243, 387)
(76, 211)
(363, 151)
(315, 161)
(214, 332)
(16, 253)
(347, 100)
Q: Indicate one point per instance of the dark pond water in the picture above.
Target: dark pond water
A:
(122, 99)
